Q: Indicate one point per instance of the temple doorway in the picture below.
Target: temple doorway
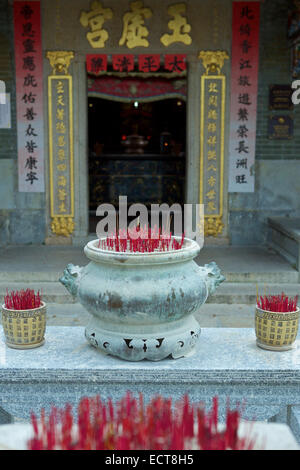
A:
(137, 141)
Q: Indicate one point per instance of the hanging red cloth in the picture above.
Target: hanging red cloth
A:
(132, 88)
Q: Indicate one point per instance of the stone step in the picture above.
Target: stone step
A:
(267, 277)
(245, 292)
(250, 264)
(51, 291)
(238, 264)
(21, 277)
(208, 316)
(275, 277)
(227, 293)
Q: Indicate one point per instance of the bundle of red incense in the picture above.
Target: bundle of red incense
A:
(22, 300)
(278, 303)
(141, 240)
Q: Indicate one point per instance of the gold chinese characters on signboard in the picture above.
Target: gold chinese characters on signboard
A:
(135, 30)
(94, 19)
(60, 105)
(213, 89)
(178, 25)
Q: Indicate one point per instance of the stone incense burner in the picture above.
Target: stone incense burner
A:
(142, 304)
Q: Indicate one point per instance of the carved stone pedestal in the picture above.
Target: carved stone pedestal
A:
(156, 342)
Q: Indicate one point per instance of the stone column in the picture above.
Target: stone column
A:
(81, 182)
(193, 129)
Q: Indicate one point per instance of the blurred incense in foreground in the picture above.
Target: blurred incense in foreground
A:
(130, 425)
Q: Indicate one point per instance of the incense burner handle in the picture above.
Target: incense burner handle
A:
(71, 278)
(213, 277)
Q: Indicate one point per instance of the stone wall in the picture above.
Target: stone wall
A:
(211, 30)
(277, 184)
(277, 194)
(23, 215)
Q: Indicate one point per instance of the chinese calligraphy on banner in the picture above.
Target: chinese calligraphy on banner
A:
(29, 96)
(96, 63)
(147, 63)
(61, 156)
(244, 76)
(123, 63)
(212, 134)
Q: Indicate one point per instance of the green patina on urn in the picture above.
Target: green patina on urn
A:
(142, 304)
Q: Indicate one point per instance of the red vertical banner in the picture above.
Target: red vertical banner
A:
(29, 95)
(244, 79)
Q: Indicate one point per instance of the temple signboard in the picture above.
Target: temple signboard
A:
(98, 64)
(135, 25)
(280, 97)
(281, 127)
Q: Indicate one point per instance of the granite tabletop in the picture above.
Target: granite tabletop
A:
(222, 354)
